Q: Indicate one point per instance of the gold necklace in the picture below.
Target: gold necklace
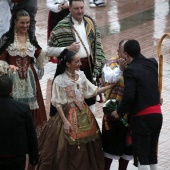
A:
(71, 75)
(21, 47)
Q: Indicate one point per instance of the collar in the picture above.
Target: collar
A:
(76, 22)
(140, 56)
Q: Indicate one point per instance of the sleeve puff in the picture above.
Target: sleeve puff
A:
(58, 97)
(90, 89)
(41, 60)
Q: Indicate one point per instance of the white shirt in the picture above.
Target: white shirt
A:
(52, 5)
(55, 51)
(111, 76)
(80, 28)
(5, 16)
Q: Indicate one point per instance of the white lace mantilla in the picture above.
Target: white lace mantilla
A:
(13, 50)
(40, 61)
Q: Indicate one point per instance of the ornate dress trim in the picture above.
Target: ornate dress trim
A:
(24, 89)
(14, 50)
(83, 123)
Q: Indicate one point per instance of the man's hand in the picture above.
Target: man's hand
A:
(75, 46)
(115, 115)
(122, 64)
(65, 6)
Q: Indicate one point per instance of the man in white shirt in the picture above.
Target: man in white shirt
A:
(79, 33)
(5, 16)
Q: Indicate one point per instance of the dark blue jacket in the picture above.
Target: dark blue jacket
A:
(17, 132)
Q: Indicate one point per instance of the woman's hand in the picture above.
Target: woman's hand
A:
(13, 68)
(67, 127)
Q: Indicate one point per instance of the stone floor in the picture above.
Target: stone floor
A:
(145, 21)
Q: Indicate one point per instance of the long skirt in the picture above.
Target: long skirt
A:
(56, 152)
(39, 115)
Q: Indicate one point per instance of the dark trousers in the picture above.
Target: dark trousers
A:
(145, 135)
(86, 69)
(13, 163)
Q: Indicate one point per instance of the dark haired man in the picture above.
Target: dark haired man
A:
(142, 99)
(17, 132)
(79, 33)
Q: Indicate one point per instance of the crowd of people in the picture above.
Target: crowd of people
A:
(71, 139)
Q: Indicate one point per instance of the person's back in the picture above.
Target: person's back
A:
(13, 124)
(142, 99)
(17, 132)
(144, 70)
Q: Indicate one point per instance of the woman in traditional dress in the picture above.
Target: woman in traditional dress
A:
(19, 53)
(58, 9)
(71, 139)
(5, 16)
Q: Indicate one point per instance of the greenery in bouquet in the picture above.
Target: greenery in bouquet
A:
(112, 105)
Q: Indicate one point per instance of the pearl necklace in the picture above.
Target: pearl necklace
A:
(20, 46)
(72, 75)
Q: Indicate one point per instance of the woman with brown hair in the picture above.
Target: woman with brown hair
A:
(19, 54)
(71, 139)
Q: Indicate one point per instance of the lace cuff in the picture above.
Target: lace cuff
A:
(3, 67)
(33, 105)
(42, 60)
(39, 71)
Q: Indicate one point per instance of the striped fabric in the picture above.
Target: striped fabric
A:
(114, 93)
(63, 35)
(117, 91)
